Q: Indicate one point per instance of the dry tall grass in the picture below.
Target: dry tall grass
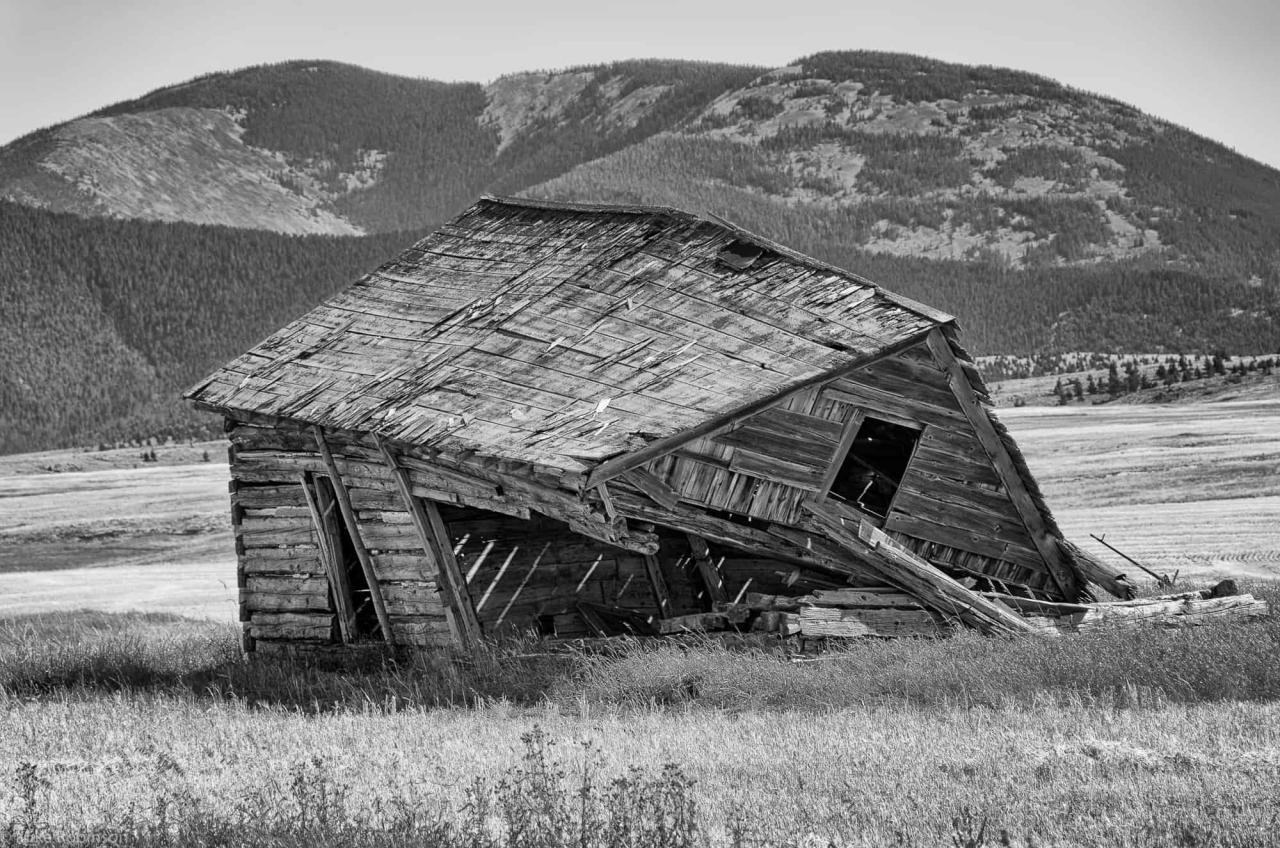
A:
(149, 731)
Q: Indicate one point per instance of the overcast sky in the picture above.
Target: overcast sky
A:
(1211, 66)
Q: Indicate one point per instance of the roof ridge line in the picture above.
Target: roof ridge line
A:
(902, 301)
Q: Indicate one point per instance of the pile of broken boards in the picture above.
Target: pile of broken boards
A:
(888, 613)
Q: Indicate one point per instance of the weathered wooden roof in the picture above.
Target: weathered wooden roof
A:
(565, 334)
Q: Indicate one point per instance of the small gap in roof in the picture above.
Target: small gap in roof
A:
(740, 255)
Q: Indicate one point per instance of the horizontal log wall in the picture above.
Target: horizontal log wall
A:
(286, 596)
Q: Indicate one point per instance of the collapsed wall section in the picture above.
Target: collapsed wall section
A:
(949, 502)
(286, 591)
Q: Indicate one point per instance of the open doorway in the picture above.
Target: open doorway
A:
(357, 600)
(873, 468)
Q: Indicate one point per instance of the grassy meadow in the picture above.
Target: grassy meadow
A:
(132, 728)
(148, 729)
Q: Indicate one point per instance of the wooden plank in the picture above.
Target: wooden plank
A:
(652, 486)
(461, 615)
(964, 539)
(291, 626)
(856, 623)
(442, 549)
(1093, 569)
(659, 584)
(707, 570)
(1006, 528)
(991, 442)
(331, 557)
(353, 529)
(847, 436)
(701, 622)
(951, 491)
(933, 458)
(781, 543)
(893, 379)
(258, 601)
(806, 478)
(771, 603)
(299, 552)
(864, 598)
(899, 567)
(883, 404)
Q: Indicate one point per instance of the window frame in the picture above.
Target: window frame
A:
(847, 437)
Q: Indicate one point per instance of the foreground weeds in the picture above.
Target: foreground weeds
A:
(147, 730)
(69, 652)
(537, 804)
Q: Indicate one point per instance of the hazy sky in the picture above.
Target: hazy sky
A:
(1211, 66)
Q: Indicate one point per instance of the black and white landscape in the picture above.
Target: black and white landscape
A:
(1116, 278)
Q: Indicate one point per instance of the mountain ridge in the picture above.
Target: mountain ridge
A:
(1044, 217)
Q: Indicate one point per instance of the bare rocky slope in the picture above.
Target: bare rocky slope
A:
(1045, 218)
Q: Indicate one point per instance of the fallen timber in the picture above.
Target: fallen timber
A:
(886, 612)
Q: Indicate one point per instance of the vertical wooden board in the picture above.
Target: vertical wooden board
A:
(353, 529)
(322, 517)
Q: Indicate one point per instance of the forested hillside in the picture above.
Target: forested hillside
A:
(105, 322)
(328, 147)
(1047, 219)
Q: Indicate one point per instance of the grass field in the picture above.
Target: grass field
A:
(144, 728)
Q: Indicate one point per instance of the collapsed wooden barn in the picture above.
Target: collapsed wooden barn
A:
(577, 419)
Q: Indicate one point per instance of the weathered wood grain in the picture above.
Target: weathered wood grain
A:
(859, 623)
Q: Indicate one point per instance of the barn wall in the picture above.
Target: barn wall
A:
(951, 506)
(285, 591)
(518, 564)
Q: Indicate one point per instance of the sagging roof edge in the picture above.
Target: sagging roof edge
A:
(621, 463)
(741, 232)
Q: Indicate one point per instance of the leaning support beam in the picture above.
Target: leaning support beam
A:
(461, 613)
(994, 446)
(362, 553)
(899, 567)
(443, 549)
(1097, 571)
(659, 584)
(706, 568)
(339, 586)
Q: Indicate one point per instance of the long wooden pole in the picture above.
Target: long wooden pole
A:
(362, 553)
(706, 568)
(659, 585)
(980, 420)
(903, 569)
(462, 615)
(338, 582)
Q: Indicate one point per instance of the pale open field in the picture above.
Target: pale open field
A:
(1192, 487)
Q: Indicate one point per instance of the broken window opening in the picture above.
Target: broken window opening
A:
(740, 255)
(873, 468)
(364, 615)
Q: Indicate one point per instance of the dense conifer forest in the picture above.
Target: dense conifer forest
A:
(105, 322)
